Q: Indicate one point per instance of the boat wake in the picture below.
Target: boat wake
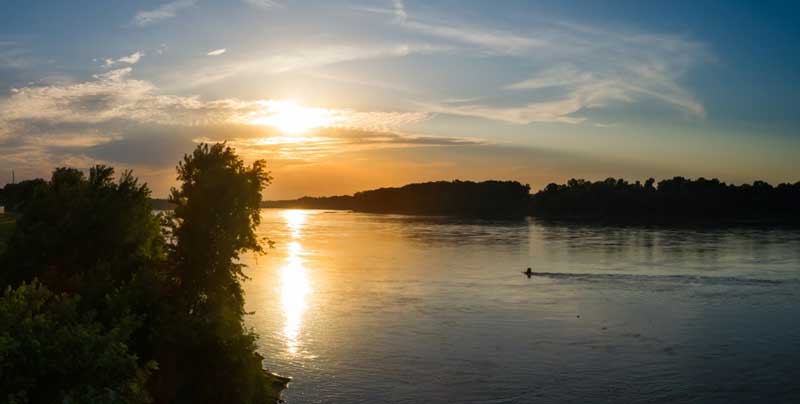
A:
(681, 279)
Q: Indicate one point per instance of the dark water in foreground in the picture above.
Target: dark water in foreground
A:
(363, 308)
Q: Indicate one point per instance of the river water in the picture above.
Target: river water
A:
(368, 308)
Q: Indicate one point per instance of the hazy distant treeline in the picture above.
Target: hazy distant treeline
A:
(458, 198)
(676, 199)
(673, 200)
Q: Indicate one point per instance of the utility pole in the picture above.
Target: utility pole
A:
(13, 178)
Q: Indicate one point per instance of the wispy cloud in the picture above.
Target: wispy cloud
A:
(304, 58)
(327, 141)
(13, 56)
(549, 111)
(163, 12)
(578, 68)
(400, 10)
(497, 41)
(216, 52)
(131, 59)
(263, 4)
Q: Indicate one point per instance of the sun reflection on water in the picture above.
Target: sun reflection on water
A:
(295, 220)
(294, 281)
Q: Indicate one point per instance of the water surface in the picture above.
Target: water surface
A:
(367, 308)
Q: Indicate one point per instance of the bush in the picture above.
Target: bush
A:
(52, 352)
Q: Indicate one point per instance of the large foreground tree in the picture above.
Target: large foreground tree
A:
(217, 208)
(104, 303)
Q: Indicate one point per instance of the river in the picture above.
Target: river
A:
(369, 308)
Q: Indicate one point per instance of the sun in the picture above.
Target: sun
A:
(292, 118)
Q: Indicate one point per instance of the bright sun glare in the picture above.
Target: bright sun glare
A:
(292, 118)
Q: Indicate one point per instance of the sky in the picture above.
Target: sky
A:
(342, 96)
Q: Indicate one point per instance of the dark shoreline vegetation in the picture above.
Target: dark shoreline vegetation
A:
(105, 302)
(614, 201)
(678, 200)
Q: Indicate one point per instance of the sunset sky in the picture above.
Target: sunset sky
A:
(341, 96)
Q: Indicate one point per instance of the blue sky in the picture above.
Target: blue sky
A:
(341, 96)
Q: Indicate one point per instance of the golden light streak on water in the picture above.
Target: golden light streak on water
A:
(294, 282)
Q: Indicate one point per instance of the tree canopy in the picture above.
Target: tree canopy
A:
(106, 301)
(670, 200)
(488, 199)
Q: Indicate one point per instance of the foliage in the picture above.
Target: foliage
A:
(147, 308)
(81, 232)
(217, 209)
(14, 196)
(456, 198)
(676, 199)
(7, 225)
(52, 352)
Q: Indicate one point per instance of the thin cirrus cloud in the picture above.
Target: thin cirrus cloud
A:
(304, 58)
(496, 41)
(324, 142)
(263, 4)
(576, 68)
(579, 68)
(131, 59)
(13, 56)
(163, 12)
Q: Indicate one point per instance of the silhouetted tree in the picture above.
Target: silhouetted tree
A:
(217, 208)
(14, 196)
(488, 199)
(78, 232)
(148, 308)
(673, 200)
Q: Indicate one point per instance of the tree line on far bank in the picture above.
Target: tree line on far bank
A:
(457, 198)
(104, 301)
(675, 200)
(615, 200)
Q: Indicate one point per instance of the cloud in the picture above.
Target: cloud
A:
(116, 118)
(304, 58)
(115, 95)
(400, 10)
(497, 41)
(13, 56)
(325, 142)
(216, 52)
(131, 59)
(163, 12)
(263, 4)
(577, 68)
(551, 111)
